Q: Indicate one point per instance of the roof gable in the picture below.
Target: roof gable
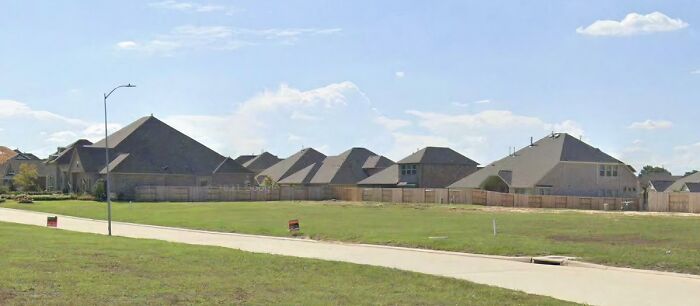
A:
(292, 164)
(229, 165)
(437, 155)
(345, 168)
(678, 184)
(377, 162)
(261, 162)
(6, 154)
(388, 176)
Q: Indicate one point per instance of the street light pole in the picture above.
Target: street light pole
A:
(109, 200)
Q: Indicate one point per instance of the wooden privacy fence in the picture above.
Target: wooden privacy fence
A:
(393, 195)
(203, 194)
(481, 197)
(674, 202)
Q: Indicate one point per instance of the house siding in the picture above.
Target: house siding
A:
(583, 179)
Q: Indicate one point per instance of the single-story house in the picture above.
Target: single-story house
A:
(347, 168)
(145, 152)
(558, 164)
(430, 167)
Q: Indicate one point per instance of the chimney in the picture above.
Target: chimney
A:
(531, 143)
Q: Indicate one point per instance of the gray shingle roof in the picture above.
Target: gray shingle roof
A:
(529, 165)
(244, 158)
(64, 156)
(377, 162)
(345, 168)
(437, 155)
(388, 176)
(678, 184)
(292, 164)
(261, 162)
(117, 137)
(155, 147)
(661, 185)
(693, 187)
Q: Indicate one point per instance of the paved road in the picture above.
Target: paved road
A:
(590, 285)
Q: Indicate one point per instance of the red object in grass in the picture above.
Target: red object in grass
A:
(52, 221)
(294, 225)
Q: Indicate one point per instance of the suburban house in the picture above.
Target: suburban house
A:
(678, 184)
(558, 164)
(430, 167)
(10, 162)
(291, 165)
(258, 163)
(347, 168)
(145, 152)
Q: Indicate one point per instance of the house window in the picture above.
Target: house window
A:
(614, 171)
(409, 169)
(602, 170)
(608, 170)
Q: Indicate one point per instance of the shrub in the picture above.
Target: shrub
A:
(86, 197)
(24, 199)
(52, 197)
(2, 200)
(4, 189)
(99, 191)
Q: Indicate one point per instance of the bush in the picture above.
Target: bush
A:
(99, 191)
(52, 197)
(86, 197)
(24, 199)
(4, 189)
(2, 200)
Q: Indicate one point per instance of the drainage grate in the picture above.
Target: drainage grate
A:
(550, 260)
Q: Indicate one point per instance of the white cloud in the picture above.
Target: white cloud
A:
(391, 124)
(332, 114)
(651, 125)
(10, 108)
(297, 115)
(400, 74)
(217, 38)
(128, 44)
(193, 7)
(695, 71)
(42, 130)
(633, 24)
(465, 104)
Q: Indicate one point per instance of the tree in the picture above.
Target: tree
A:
(690, 173)
(268, 182)
(27, 179)
(652, 169)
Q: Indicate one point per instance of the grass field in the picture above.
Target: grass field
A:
(669, 243)
(48, 266)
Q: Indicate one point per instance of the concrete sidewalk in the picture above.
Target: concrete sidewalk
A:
(590, 285)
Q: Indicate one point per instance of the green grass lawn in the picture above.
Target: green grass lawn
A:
(48, 266)
(668, 243)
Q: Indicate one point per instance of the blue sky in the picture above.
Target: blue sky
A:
(393, 76)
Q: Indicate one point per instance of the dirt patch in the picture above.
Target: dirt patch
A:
(618, 239)
(6, 296)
